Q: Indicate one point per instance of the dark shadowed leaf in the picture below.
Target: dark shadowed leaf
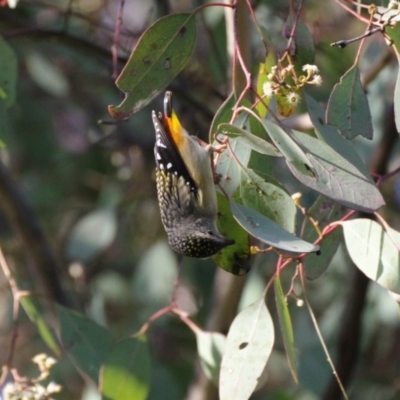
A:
(232, 258)
(324, 211)
(268, 231)
(210, 347)
(125, 374)
(161, 53)
(8, 75)
(248, 347)
(85, 342)
(337, 178)
(304, 52)
(286, 327)
(374, 253)
(348, 107)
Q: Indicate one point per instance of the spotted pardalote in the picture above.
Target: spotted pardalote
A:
(185, 187)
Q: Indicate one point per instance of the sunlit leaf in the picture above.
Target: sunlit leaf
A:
(348, 107)
(265, 195)
(286, 327)
(125, 374)
(160, 54)
(268, 231)
(248, 347)
(210, 347)
(337, 178)
(373, 252)
(86, 343)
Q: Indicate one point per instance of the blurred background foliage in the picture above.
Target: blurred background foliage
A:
(92, 190)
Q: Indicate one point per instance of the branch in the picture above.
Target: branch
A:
(23, 220)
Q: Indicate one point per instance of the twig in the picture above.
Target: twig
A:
(114, 47)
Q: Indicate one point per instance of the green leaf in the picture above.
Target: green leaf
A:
(348, 107)
(223, 115)
(248, 139)
(210, 347)
(160, 54)
(337, 178)
(304, 52)
(37, 315)
(292, 152)
(86, 343)
(8, 75)
(394, 34)
(286, 327)
(324, 211)
(268, 197)
(248, 347)
(373, 252)
(232, 258)
(229, 169)
(92, 234)
(332, 137)
(125, 374)
(268, 231)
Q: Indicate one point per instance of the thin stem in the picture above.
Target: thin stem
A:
(114, 47)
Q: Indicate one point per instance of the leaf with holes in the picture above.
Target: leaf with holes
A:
(268, 231)
(160, 54)
(348, 107)
(373, 252)
(125, 373)
(286, 327)
(248, 347)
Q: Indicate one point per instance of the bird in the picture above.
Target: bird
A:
(185, 187)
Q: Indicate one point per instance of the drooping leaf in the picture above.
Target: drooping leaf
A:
(248, 139)
(125, 374)
(394, 34)
(248, 347)
(8, 75)
(348, 107)
(85, 342)
(323, 211)
(160, 54)
(265, 195)
(232, 258)
(373, 252)
(286, 327)
(228, 169)
(332, 137)
(37, 315)
(337, 178)
(268, 231)
(210, 347)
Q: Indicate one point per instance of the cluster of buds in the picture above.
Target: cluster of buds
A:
(279, 85)
(33, 389)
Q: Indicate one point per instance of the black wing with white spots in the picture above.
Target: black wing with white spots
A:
(167, 157)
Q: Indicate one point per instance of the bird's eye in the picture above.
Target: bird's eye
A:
(211, 233)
